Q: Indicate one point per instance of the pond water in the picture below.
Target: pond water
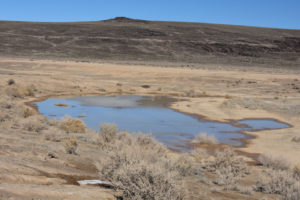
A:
(151, 115)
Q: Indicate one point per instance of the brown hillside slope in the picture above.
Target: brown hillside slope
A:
(124, 39)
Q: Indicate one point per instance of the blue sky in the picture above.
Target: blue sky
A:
(267, 13)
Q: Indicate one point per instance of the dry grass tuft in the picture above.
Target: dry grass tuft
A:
(70, 125)
(204, 138)
(277, 163)
(71, 145)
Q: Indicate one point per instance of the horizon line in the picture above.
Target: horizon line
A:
(128, 18)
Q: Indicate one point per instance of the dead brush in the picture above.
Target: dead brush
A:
(71, 125)
(71, 145)
(14, 91)
(279, 182)
(139, 166)
(296, 172)
(27, 112)
(17, 91)
(296, 139)
(277, 163)
(54, 134)
(204, 138)
(228, 166)
(32, 124)
(11, 82)
(108, 132)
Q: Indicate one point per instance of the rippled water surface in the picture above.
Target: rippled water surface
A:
(151, 115)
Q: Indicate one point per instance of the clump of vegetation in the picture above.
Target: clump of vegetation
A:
(31, 90)
(11, 82)
(27, 112)
(190, 93)
(19, 91)
(276, 163)
(296, 172)
(70, 125)
(204, 138)
(6, 103)
(61, 105)
(108, 132)
(145, 86)
(228, 166)
(4, 117)
(139, 166)
(33, 124)
(53, 134)
(296, 139)
(279, 182)
(71, 145)
(15, 92)
(244, 190)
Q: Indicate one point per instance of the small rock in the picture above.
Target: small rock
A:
(145, 86)
(96, 182)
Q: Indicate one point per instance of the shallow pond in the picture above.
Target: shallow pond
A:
(151, 115)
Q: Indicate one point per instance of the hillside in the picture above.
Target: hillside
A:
(124, 39)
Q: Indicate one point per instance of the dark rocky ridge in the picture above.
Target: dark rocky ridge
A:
(131, 40)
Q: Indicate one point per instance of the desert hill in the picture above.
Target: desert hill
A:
(130, 40)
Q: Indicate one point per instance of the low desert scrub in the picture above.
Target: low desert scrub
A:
(53, 134)
(279, 182)
(17, 91)
(108, 132)
(71, 145)
(200, 155)
(204, 138)
(296, 139)
(31, 90)
(11, 82)
(190, 93)
(4, 117)
(228, 166)
(139, 166)
(277, 163)
(244, 190)
(14, 91)
(296, 172)
(33, 124)
(71, 125)
(6, 102)
(27, 112)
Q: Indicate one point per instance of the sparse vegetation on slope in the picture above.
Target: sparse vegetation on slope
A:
(148, 41)
(139, 166)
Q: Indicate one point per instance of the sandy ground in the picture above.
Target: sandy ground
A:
(212, 92)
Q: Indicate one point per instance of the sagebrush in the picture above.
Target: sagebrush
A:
(139, 166)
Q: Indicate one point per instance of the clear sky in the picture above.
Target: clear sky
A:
(267, 13)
